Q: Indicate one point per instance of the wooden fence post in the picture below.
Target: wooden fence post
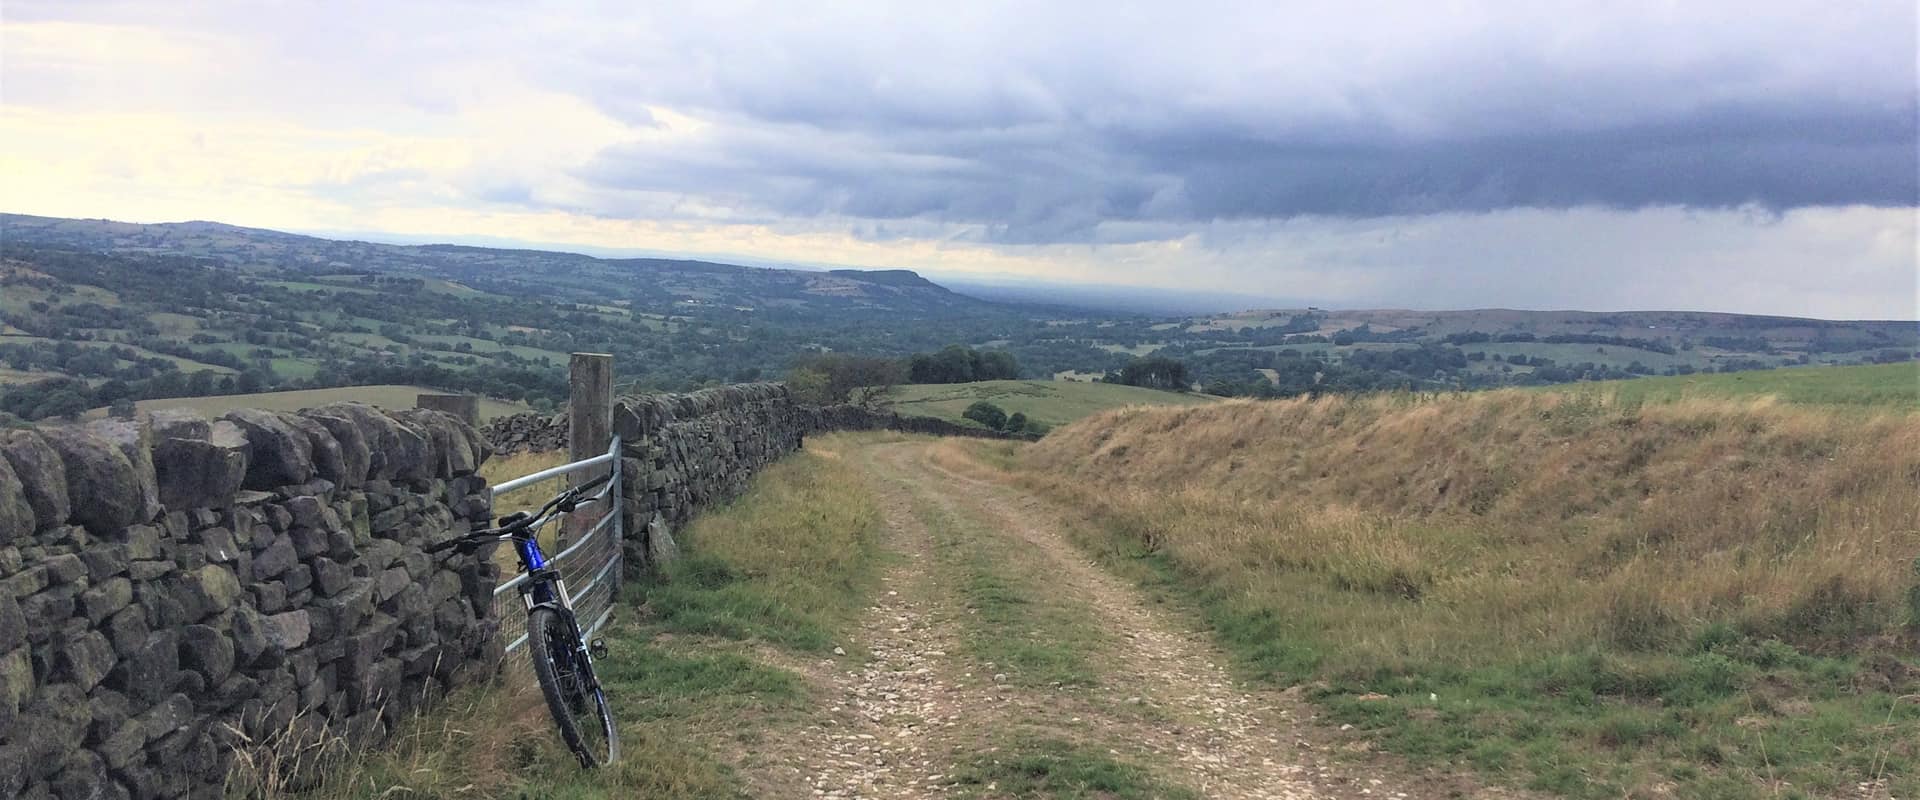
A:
(589, 421)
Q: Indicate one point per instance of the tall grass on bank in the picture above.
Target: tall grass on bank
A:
(1591, 597)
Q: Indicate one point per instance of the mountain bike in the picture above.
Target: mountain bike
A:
(562, 658)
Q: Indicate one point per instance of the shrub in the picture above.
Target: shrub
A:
(986, 414)
(1015, 423)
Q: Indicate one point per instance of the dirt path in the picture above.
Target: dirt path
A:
(881, 738)
(920, 707)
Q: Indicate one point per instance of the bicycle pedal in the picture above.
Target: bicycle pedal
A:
(597, 648)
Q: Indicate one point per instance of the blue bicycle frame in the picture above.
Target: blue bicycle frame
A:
(533, 559)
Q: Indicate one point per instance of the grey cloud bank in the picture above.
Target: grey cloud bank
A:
(1210, 113)
(1341, 145)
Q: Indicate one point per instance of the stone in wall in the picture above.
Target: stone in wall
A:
(527, 432)
(175, 589)
(42, 475)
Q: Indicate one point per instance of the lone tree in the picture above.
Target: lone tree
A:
(832, 378)
(988, 414)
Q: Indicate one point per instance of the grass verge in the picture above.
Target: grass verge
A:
(788, 564)
(792, 563)
(1703, 599)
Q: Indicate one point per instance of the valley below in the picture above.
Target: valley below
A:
(94, 312)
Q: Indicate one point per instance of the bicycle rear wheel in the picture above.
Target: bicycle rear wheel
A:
(573, 693)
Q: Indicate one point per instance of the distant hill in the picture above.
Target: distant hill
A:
(546, 274)
(93, 311)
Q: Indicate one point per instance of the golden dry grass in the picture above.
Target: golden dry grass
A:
(1489, 522)
(1712, 598)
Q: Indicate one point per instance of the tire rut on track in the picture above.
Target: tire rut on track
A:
(898, 720)
(891, 721)
(1231, 742)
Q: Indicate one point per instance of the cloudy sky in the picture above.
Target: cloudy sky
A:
(1753, 156)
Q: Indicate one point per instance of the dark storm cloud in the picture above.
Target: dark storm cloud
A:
(1065, 121)
(1773, 158)
(1775, 106)
(1062, 183)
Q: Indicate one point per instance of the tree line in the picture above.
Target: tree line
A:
(833, 378)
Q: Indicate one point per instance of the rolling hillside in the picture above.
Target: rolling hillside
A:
(94, 311)
(261, 310)
(655, 283)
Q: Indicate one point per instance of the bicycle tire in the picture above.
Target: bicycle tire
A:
(583, 717)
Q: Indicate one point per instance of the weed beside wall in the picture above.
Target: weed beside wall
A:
(1583, 593)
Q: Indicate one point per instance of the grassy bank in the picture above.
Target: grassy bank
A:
(787, 566)
(1702, 598)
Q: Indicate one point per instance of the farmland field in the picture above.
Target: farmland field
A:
(24, 376)
(1892, 385)
(185, 364)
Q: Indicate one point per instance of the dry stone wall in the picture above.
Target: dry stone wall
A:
(533, 432)
(526, 432)
(684, 452)
(177, 589)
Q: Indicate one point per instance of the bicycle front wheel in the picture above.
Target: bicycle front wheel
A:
(573, 693)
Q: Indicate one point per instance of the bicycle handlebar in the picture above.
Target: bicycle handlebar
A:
(563, 503)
